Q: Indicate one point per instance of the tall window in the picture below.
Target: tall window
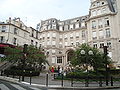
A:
(94, 35)
(101, 34)
(107, 22)
(2, 38)
(36, 44)
(95, 45)
(53, 59)
(31, 42)
(15, 30)
(93, 24)
(83, 34)
(14, 40)
(101, 44)
(94, 13)
(109, 44)
(108, 34)
(3, 28)
(100, 23)
(59, 59)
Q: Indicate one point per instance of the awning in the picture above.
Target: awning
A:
(2, 45)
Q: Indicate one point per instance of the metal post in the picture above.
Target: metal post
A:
(30, 79)
(100, 82)
(72, 82)
(62, 80)
(105, 56)
(19, 78)
(24, 58)
(86, 81)
(47, 79)
(111, 81)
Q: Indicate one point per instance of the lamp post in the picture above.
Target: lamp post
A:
(83, 52)
(106, 68)
(23, 60)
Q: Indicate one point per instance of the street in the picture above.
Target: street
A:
(6, 85)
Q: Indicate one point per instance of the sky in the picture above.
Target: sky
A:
(32, 12)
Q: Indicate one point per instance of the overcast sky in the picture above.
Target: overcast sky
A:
(32, 11)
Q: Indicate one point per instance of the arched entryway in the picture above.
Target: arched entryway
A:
(70, 55)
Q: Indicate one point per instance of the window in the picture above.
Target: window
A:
(94, 13)
(83, 34)
(54, 34)
(72, 43)
(15, 30)
(83, 24)
(53, 42)
(93, 24)
(61, 28)
(48, 42)
(66, 43)
(66, 27)
(2, 39)
(71, 26)
(32, 33)
(108, 34)
(100, 33)
(15, 41)
(98, 11)
(104, 10)
(94, 35)
(53, 51)
(59, 59)
(101, 44)
(71, 35)
(36, 43)
(77, 25)
(53, 59)
(95, 45)
(100, 23)
(48, 35)
(109, 44)
(31, 42)
(3, 28)
(77, 43)
(107, 22)
(65, 35)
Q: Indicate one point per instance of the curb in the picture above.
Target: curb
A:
(57, 86)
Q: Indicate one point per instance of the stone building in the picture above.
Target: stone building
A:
(101, 27)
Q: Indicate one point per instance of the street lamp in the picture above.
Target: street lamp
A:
(90, 52)
(83, 52)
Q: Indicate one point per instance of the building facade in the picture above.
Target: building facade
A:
(58, 39)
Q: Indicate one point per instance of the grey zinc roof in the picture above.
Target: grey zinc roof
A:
(110, 3)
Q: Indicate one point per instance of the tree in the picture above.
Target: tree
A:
(96, 60)
(33, 58)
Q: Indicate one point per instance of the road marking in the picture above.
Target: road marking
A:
(3, 87)
(18, 87)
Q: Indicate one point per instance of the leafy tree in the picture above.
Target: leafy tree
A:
(33, 58)
(96, 60)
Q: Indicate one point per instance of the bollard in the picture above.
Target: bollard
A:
(100, 82)
(30, 79)
(86, 81)
(19, 78)
(62, 80)
(47, 79)
(72, 82)
(111, 81)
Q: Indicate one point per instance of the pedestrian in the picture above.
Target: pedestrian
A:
(58, 70)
